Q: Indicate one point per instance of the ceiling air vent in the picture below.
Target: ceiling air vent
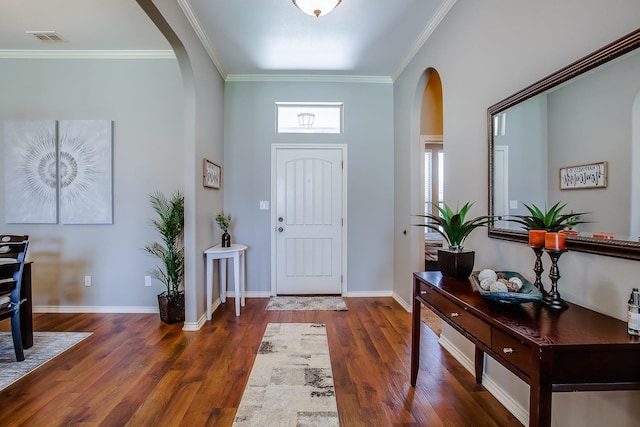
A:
(46, 36)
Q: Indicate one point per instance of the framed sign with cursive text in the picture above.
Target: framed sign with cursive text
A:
(593, 175)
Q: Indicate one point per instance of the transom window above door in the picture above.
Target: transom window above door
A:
(311, 117)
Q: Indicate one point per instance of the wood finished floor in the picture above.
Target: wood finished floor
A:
(136, 371)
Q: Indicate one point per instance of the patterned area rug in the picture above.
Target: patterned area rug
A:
(291, 382)
(306, 303)
(46, 346)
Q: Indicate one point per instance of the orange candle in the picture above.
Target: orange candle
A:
(554, 241)
(536, 238)
(603, 236)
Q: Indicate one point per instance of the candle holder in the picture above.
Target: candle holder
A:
(538, 268)
(552, 299)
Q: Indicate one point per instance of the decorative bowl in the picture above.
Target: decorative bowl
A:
(528, 292)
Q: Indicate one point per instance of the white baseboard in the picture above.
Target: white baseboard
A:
(522, 414)
(94, 309)
(407, 306)
(368, 294)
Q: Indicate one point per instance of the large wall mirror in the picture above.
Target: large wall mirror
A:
(573, 137)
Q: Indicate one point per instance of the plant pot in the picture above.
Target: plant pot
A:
(456, 265)
(171, 309)
(226, 240)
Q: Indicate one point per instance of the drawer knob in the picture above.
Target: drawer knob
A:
(507, 350)
(454, 314)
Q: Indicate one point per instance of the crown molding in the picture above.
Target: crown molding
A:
(307, 78)
(426, 33)
(86, 54)
(206, 43)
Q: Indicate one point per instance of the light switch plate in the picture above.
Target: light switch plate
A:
(264, 205)
(513, 204)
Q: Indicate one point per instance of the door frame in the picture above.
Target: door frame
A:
(343, 237)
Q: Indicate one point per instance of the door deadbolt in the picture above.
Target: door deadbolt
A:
(280, 219)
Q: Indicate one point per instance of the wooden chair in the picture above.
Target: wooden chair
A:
(13, 250)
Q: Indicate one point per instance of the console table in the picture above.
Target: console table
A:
(576, 349)
(237, 252)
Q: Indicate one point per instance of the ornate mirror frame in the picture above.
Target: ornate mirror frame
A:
(615, 248)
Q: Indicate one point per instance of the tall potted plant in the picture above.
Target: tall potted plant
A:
(170, 251)
(455, 262)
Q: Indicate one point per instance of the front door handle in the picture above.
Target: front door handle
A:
(280, 229)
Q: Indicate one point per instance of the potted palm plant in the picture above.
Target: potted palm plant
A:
(455, 262)
(170, 225)
(538, 223)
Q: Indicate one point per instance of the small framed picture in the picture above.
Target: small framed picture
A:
(211, 175)
(593, 175)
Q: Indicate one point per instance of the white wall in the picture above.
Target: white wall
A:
(368, 134)
(147, 156)
(484, 52)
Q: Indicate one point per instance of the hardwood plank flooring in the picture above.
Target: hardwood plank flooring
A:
(136, 371)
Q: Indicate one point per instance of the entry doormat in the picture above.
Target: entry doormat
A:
(291, 382)
(46, 346)
(298, 303)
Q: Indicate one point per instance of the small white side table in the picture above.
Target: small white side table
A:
(237, 252)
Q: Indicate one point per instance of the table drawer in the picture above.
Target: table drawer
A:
(474, 326)
(513, 350)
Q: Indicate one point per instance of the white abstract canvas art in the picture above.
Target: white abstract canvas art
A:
(58, 171)
(85, 171)
(31, 183)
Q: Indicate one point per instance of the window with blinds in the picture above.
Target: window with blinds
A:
(433, 178)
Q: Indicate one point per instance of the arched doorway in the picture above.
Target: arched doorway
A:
(432, 163)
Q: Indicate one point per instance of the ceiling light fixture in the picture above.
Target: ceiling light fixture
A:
(305, 120)
(316, 7)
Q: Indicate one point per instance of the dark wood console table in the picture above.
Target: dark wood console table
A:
(576, 349)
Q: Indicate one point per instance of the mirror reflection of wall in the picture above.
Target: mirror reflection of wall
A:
(525, 135)
(635, 169)
(588, 120)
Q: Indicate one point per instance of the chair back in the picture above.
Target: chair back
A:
(13, 250)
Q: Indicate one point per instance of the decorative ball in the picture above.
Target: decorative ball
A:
(486, 283)
(487, 273)
(516, 283)
(498, 286)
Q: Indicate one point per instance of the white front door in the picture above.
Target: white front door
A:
(308, 221)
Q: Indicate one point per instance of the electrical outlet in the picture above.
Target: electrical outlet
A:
(87, 280)
(147, 280)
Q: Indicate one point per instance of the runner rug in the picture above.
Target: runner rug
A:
(291, 382)
(46, 346)
(297, 303)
